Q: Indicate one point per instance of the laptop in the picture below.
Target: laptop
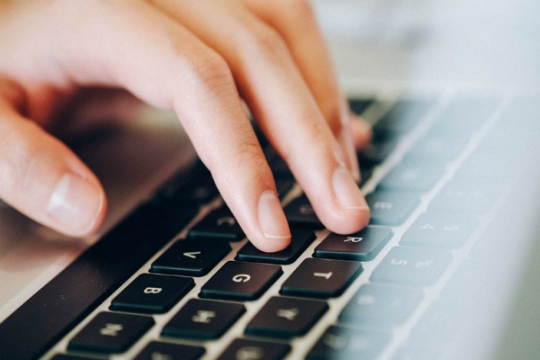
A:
(446, 268)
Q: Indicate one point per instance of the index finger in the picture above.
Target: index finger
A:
(282, 103)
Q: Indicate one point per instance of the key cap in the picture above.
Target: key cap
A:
(376, 152)
(279, 167)
(411, 175)
(412, 266)
(110, 333)
(487, 168)
(191, 257)
(218, 224)
(405, 115)
(156, 350)
(300, 240)
(283, 186)
(321, 278)
(358, 106)
(366, 170)
(203, 319)
(448, 320)
(379, 306)
(241, 281)
(348, 344)
(245, 349)
(391, 207)
(70, 357)
(437, 147)
(440, 229)
(196, 187)
(361, 246)
(474, 198)
(152, 294)
(465, 114)
(286, 317)
(300, 212)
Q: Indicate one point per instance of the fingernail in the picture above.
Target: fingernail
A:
(75, 205)
(346, 190)
(271, 217)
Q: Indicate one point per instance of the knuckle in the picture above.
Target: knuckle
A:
(210, 70)
(319, 132)
(319, 137)
(332, 112)
(265, 42)
(246, 162)
(300, 6)
(296, 9)
(247, 152)
(15, 168)
(250, 152)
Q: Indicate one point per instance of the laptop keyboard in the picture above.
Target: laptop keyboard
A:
(211, 294)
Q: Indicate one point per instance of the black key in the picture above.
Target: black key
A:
(404, 116)
(439, 147)
(447, 319)
(197, 186)
(204, 319)
(391, 207)
(283, 186)
(245, 349)
(361, 246)
(218, 224)
(383, 135)
(152, 294)
(381, 306)
(111, 333)
(191, 257)
(70, 357)
(348, 344)
(412, 266)
(440, 229)
(375, 153)
(241, 281)
(475, 198)
(486, 168)
(286, 317)
(300, 212)
(358, 106)
(466, 114)
(366, 170)
(412, 175)
(166, 351)
(321, 278)
(32, 329)
(301, 239)
(279, 167)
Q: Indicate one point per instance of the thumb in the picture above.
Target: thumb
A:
(43, 179)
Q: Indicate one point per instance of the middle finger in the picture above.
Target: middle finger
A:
(282, 103)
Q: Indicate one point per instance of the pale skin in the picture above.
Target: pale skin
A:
(203, 60)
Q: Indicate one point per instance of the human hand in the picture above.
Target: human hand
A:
(201, 59)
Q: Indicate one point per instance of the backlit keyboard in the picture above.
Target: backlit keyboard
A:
(178, 280)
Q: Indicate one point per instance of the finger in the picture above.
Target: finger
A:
(169, 67)
(44, 180)
(361, 131)
(282, 104)
(295, 21)
(136, 47)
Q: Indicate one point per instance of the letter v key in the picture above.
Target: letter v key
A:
(192, 255)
